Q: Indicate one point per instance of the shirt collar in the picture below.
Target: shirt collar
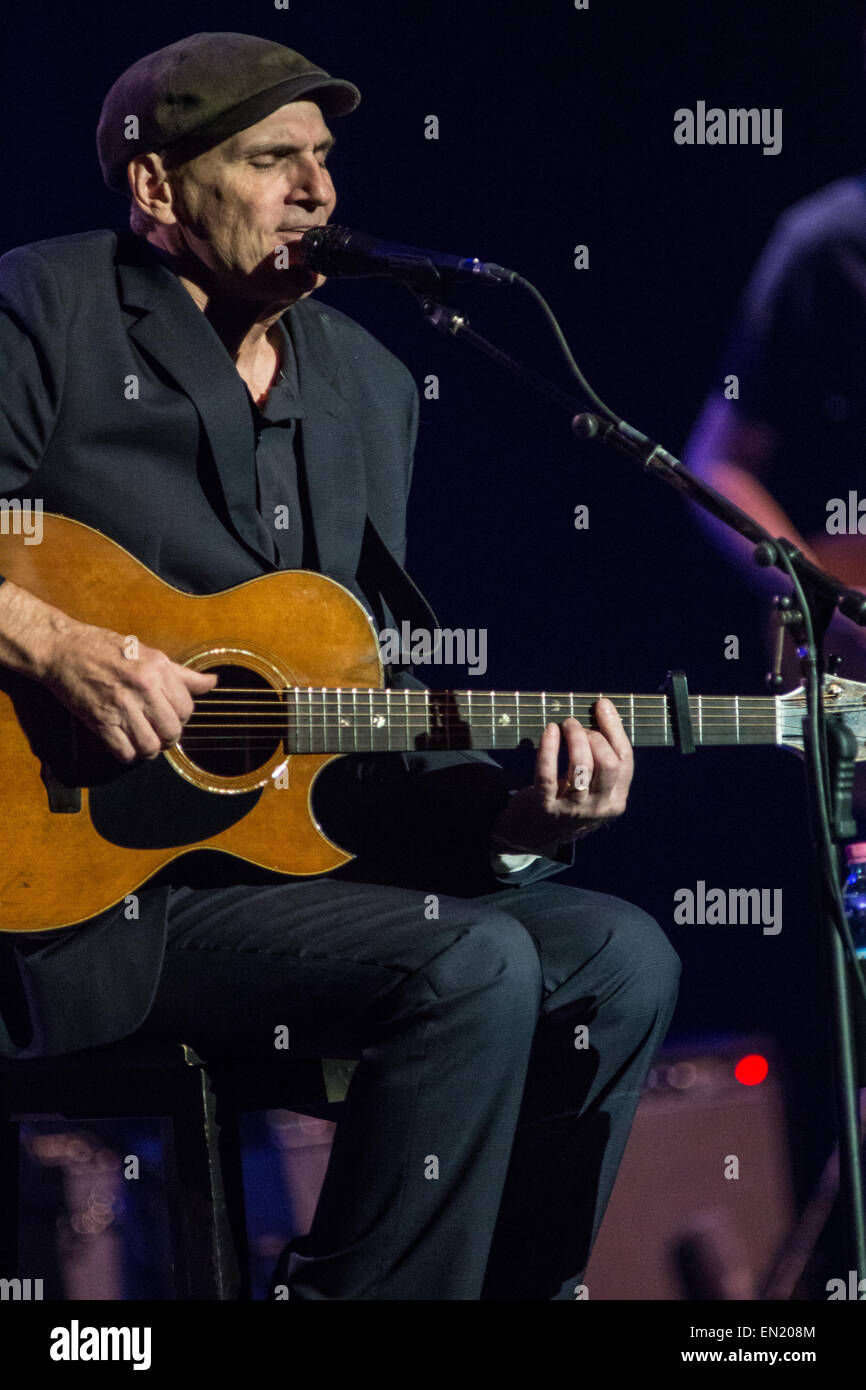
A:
(284, 400)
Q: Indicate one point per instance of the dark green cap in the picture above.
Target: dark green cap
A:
(208, 86)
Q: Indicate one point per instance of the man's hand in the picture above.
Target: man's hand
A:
(135, 698)
(557, 809)
(137, 704)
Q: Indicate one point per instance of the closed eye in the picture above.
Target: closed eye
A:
(267, 157)
(271, 164)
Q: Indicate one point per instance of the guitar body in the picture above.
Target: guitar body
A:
(81, 830)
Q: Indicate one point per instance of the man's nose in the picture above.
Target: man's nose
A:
(314, 182)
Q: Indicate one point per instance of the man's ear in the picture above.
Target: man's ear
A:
(150, 188)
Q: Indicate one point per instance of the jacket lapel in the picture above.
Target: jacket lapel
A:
(171, 329)
(333, 451)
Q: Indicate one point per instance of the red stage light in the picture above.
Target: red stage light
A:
(751, 1070)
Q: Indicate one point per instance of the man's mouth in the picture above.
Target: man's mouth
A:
(290, 237)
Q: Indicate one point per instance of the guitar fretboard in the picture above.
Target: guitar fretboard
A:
(340, 720)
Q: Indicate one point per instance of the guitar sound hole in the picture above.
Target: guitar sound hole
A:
(237, 726)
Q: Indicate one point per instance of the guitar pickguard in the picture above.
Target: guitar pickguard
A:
(151, 807)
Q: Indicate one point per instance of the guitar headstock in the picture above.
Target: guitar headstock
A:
(842, 697)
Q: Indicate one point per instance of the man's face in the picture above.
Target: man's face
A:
(260, 189)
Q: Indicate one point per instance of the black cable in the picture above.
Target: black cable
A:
(558, 334)
(818, 739)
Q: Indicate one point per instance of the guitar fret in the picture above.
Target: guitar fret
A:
(700, 720)
(631, 715)
(737, 715)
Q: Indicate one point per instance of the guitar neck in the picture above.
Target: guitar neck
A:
(359, 721)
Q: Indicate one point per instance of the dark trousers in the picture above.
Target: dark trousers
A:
(502, 1045)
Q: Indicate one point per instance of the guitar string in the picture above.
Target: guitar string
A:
(346, 703)
(224, 719)
(419, 716)
(448, 697)
(412, 713)
(420, 695)
(218, 734)
(440, 713)
(397, 699)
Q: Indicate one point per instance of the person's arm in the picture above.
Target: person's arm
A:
(773, 354)
(137, 706)
(732, 454)
(456, 807)
(27, 629)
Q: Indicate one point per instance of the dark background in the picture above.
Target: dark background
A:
(556, 128)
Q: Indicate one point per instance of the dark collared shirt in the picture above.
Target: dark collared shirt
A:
(281, 491)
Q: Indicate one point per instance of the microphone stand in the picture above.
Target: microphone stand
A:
(815, 596)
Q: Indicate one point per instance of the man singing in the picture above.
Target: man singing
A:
(252, 400)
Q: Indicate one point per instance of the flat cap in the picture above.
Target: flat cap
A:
(209, 86)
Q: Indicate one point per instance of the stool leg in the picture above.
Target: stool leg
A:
(205, 1193)
(232, 1246)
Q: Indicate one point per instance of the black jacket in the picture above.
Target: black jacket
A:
(121, 408)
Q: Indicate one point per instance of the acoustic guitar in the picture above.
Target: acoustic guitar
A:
(300, 682)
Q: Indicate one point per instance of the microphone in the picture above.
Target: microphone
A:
(339, 251)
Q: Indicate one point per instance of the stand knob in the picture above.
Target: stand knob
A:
(783, 616)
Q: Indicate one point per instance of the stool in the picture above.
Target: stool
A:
(199, 1103)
